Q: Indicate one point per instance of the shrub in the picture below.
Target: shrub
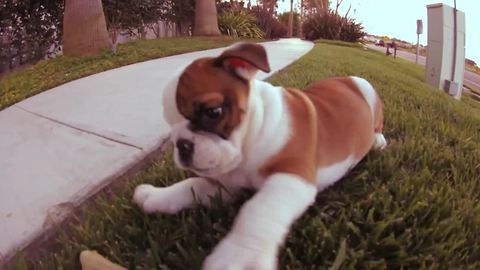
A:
(329, 25)
(277, 30)
(283, 18)
(239, 24)
(30, 30)
(269, 24)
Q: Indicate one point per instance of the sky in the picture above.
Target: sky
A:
(398, 18)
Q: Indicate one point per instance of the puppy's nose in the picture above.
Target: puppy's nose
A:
(185, 150)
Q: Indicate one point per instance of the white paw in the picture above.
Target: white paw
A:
(152, 199)
(229, 256)
(380, 142)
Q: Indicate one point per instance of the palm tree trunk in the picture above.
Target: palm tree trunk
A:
(84, 28)
(290, 21)
(206, 18)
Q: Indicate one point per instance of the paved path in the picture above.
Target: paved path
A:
(63, 145)
(469, 77)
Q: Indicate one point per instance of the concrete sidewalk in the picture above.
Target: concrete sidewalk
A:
(63, 145)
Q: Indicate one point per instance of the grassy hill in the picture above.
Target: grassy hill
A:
(414, 206)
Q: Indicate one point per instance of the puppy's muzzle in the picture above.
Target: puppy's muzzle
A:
(185, 151)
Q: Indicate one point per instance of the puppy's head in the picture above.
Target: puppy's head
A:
(207, 107)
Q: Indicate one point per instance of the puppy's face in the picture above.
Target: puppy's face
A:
(211, 100)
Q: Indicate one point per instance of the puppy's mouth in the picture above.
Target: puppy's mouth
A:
(201, 171)
(189, 166)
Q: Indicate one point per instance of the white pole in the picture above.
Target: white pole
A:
(416, 56)
(419, 32)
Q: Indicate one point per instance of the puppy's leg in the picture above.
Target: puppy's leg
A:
(262, 225)
(380, 142)
(176, 197)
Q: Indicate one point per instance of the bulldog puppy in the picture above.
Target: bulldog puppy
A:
(238, 132)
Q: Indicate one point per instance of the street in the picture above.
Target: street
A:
(469, 77)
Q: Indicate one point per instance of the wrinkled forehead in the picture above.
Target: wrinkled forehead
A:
(205, 86)
(205, 83)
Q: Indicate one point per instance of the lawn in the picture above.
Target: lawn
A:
(50, 73)
(414, 206)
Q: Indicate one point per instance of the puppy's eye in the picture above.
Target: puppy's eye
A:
(213, 113)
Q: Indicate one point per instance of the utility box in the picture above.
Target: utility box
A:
(445, 49)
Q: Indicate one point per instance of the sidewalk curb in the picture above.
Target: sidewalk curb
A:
(67, 215)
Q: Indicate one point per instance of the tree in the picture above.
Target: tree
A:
(290, 20)
(309, 7)
(180, 12)
(114, 13)
(206, 18)
(267, 20)
(265, 15)
(30, 30)
(84, 28)
(132, 15)
(147, 12)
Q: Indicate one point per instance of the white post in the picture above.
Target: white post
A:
(419, 31)
(416, 55)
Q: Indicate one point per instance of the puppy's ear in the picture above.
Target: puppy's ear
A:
(244, 59)
(170, 110)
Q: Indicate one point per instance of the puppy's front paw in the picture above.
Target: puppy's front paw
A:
(230, 256)
(380, 142)
(152, 199)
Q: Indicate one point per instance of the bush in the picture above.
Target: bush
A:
(329, 25)
(277, 29)
(269, 24)
(30, 30)
(239, 24)
(283, 18)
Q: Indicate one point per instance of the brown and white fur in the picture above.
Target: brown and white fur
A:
(288, 144)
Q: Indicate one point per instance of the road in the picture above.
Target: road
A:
(469, 77)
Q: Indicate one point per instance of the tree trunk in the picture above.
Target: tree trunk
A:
(290, 21)
(206, 18)
(84, 28)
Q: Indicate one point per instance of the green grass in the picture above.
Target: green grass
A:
(414, 206)
(50, 73)
(339, 43)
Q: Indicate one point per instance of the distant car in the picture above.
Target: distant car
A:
(380, 43)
